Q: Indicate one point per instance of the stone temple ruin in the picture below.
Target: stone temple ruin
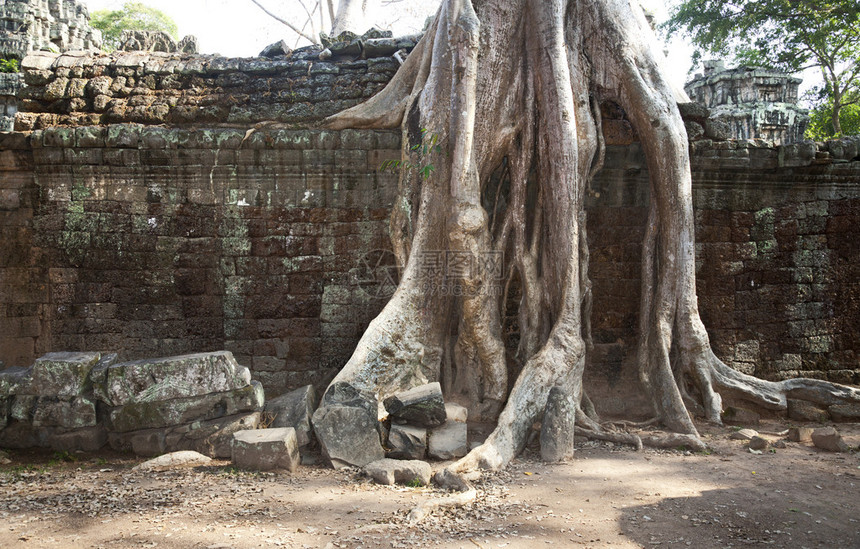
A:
(34, 25)
(754, 103)
(53, 25)
(167, 204)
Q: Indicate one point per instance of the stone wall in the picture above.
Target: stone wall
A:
(79, 89)
(240, 226)
(778, 267)
(32, 25)
(153, 242)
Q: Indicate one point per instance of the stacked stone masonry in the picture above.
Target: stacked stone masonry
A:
(77, 88)
(752, 101)
(213, 213)
(33, 25)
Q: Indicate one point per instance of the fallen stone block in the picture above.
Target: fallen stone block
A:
(21, 434)
(740, 416)
(801, 410)
(98, 375)
(266, 449)
(845, 412)
(277, 49)
(70, 414)
(800, 434)
(758, 443)
(148, 443)
(407, 442)
(89, 439)
(391, 471)
(213, 438)
(347, 427)
(22, 407)
(61, 374)
(14, 381)
(556, 432)
(294, 409)
(449, 441)
(455, 412)
(422, 405)
(174, 460)
(5, 411)
(155, 414)
(744, 434)
(828, 438)
(174, 377)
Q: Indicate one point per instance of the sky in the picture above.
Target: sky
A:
(238, 28)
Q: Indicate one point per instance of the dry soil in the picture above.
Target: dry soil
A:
(609, 496)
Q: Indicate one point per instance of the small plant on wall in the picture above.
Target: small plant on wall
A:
(9, 65)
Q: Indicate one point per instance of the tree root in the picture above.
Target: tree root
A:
(675, 440)
(617, 438)
(420, 512)
(529, 94)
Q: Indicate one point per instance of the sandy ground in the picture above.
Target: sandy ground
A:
(607, 497)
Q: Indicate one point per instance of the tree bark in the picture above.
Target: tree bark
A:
(511, 90)
(349, 17)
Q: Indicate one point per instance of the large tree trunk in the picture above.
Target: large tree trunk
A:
(512, 89)
(349, 17)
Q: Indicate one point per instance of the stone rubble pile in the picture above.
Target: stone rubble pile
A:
(416, 425)
(82, 401)
(80, 88)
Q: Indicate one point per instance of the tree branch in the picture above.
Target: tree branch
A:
(312, 39)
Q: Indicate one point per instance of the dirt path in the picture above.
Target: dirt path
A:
(608, 497)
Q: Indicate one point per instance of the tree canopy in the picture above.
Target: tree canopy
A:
(132, 16)
(821, 119)
(789, 35)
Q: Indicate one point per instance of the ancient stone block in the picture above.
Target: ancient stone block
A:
(422, 405)
(70, 414)
(214, 437)
(89, 439)
(174, 460)
(266, 449)
(407, 442)
(294, 409)
(175, 377)
(176, 411)
(744, 434)
(800, 434)
(391, 471)
(455, 412)
(740, 416)
(450, 441)
(845, 412)
(347, 427)
(829, 439)
(62, 374)
(14, 380)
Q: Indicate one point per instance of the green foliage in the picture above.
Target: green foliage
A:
(821, 120)
(9, 65)
(429, 145)
(415, 483)
(788, 35)
(61, 457)
(132, 16)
